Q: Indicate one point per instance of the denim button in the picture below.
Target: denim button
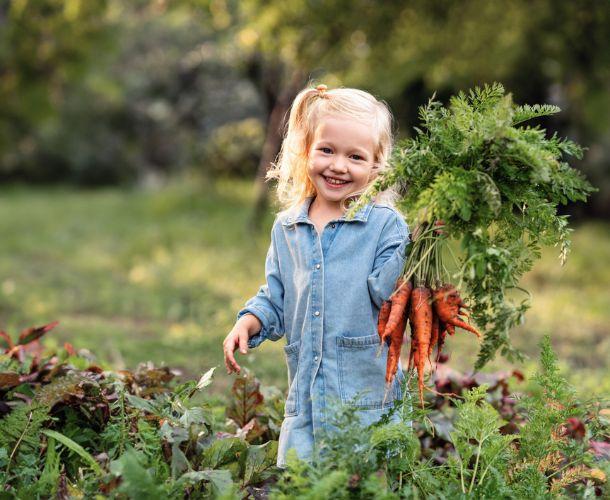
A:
(317, 313)
(317, 266)
(315, 358)
(333, 226)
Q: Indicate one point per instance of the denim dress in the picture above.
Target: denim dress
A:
(323, 293)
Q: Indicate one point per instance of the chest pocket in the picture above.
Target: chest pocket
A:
(362, 373)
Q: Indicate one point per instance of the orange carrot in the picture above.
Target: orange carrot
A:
(399, 299)
(465, 326)
(384, 314)
(413, 351)
(394, 350)
(447, 304)
(435, 332)
(395, 325)
(420, 316)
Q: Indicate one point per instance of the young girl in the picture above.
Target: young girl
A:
(326, 276)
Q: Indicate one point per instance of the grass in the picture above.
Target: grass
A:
(138, 275)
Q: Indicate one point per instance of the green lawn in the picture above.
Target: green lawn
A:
(134, 276)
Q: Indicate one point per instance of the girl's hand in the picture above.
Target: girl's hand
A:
(437, 224)
(238, 337)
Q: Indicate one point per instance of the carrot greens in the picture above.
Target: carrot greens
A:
(496, 183)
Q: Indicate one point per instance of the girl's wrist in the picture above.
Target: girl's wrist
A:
(252, 324)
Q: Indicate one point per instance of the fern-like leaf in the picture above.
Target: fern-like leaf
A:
(481, 98)
(527, 112)
(21, 428)
(563, 145)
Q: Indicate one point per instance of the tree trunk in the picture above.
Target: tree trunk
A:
(271, 147)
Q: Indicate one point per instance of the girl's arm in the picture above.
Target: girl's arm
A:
(389, 259)
(268, 304)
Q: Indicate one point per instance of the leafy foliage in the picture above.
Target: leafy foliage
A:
(69, 425)
(477, 438)
(251, 419)
(481, 454)
(72, 428)
(21, 428)
(496, 185)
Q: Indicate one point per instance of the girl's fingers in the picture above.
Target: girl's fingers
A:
(234, 366)
(229, 348)
(230, 363)
(227, 366)
(227, 363)
(243, 342)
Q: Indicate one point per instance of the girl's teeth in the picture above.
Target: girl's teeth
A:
(333, 181)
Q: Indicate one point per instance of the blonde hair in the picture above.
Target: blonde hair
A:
(310, 106)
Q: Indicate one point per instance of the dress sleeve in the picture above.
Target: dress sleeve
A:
(268, 304)
(389, 259)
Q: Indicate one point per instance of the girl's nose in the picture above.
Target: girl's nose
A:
(339, 164)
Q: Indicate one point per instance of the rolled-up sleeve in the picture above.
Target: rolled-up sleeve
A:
(268, 304)
(389, 259)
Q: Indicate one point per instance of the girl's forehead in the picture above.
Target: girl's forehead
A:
(334, 119)
(345, 129)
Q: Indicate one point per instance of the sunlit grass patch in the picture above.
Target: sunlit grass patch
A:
(134, 276)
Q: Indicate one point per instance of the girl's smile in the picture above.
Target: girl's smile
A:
(335, 183)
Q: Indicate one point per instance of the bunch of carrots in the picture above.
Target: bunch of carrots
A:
(432, 307)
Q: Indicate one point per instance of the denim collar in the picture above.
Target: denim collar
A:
(301, 213)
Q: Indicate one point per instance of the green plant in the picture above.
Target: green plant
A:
(480, 449)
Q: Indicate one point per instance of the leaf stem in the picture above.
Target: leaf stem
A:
(419, 263)
(10, 459)
(491, 461)
(476, 465)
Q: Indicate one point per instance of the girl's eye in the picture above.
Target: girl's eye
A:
(325, 150)
(357, 157)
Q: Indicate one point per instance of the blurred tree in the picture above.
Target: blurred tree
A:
(542, 50)
(128, 92)
(107, 91)
(44, 45)
(234, 147)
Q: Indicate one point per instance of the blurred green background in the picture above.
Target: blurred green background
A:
(134, 137)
